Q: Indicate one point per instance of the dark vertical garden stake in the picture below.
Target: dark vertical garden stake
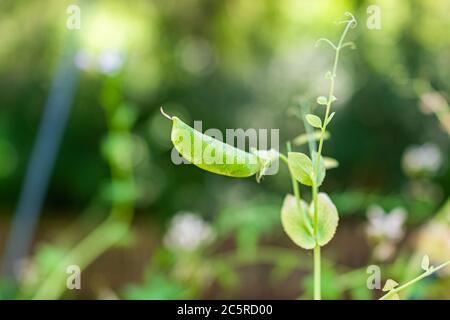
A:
(42, 159)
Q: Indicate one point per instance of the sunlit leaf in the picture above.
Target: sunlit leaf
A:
(389, 285)
(330, 118)
(314, 120)
(425, 263)
(301, 167)
(322, 100)
(295, 224)
(327, 218)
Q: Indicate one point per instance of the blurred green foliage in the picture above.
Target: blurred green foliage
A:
(231, 64)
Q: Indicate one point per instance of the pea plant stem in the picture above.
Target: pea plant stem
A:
(294, 182)
(317, 285)
(411, 282)
(295, 187)
(97, 242)
(315, 188)
(107, 234)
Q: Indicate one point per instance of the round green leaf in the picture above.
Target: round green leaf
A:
(327, 218)
(314, 120)
(323, 100)
(295, 224)
(301, 167)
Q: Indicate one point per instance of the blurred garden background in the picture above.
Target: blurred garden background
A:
(141, 227)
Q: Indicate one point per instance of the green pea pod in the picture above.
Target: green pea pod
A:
(212, 155)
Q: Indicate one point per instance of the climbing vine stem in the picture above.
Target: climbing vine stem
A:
(331, 98)
(428, 272)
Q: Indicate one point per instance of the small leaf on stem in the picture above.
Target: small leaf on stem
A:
(301, 167)
(330, 117)
(314, 120)
(295, 225)
(425, 263)
(389, 285)
(320, 175)
(327, 218)
(322, 100)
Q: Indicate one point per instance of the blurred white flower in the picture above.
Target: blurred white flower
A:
(383, 225)
(385, 230)
(434, 239)
(187, 232)
(432, 102)
(435, 102)
(422, 159)
(84, 60)
(383, 251)
(110, 61)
